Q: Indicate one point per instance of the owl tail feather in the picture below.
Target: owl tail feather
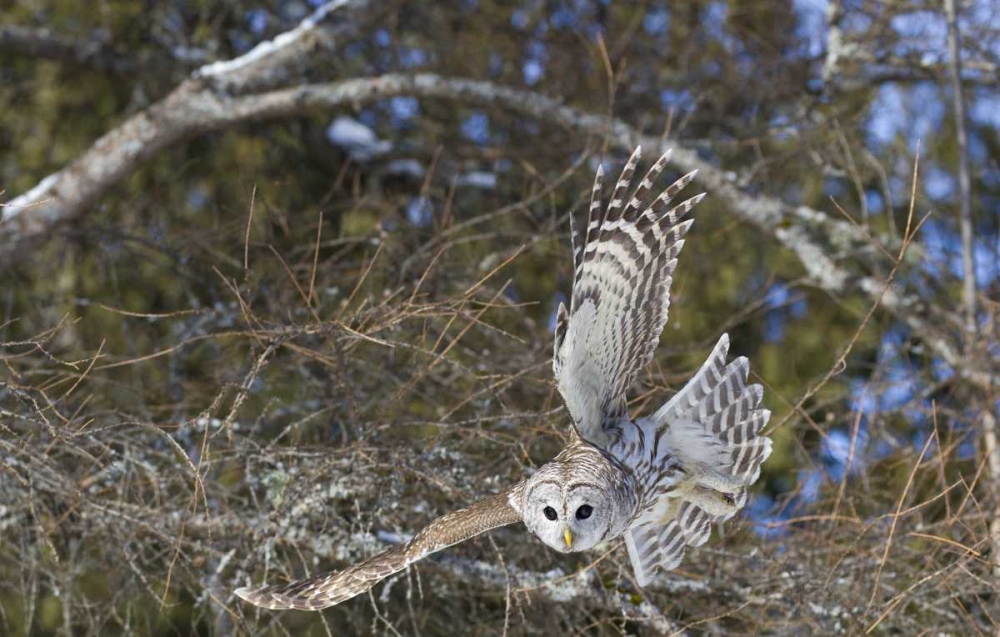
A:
(712, 428)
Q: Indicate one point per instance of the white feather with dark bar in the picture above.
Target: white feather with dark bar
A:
(623, 264)
(711, 427)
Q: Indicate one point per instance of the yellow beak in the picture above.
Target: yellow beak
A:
(568, 538)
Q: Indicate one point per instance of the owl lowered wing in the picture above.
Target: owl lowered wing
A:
(713, 426)
(658, 539)
(323, 591)
(624, 257)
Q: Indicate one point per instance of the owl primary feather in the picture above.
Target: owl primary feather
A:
(659, 481)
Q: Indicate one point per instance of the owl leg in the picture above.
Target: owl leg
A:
(715, 503)
(717, 482)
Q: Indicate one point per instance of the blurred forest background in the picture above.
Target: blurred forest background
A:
(277, 284)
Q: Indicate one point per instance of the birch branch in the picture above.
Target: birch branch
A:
(195, 108)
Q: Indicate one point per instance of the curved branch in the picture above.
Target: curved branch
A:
(274, 62)
(190, 109)
(196, 108)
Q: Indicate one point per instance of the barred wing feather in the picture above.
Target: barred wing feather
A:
(658, 540)
(624, 258)
(713, 427)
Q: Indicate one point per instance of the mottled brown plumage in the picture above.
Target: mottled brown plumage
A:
(325, 590)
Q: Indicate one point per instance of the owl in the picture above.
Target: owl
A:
(661, 481)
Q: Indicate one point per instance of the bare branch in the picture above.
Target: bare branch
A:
(892, 68)
(231, 399)
(195, 109)
(43, 43)
(198, 105)
(274, 62)
(964, 187)
(968, 262)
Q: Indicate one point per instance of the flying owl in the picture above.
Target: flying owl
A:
(659, 481)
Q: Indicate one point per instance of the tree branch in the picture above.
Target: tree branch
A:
(878, 67)
(965, 220)
(195, 108)
(275, 62)
(886, 68)
(43, 43)
(964, 187)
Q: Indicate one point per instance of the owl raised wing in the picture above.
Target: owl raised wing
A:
(624, 258)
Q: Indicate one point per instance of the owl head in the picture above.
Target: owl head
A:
(568, 505)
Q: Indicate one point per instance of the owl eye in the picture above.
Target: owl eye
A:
(550, 513)
(584, 512)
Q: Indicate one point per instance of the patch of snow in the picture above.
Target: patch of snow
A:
(405, 168)
(420, 211)
(18, 204)
(269, 47)
(478, 179)
(360, 141)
